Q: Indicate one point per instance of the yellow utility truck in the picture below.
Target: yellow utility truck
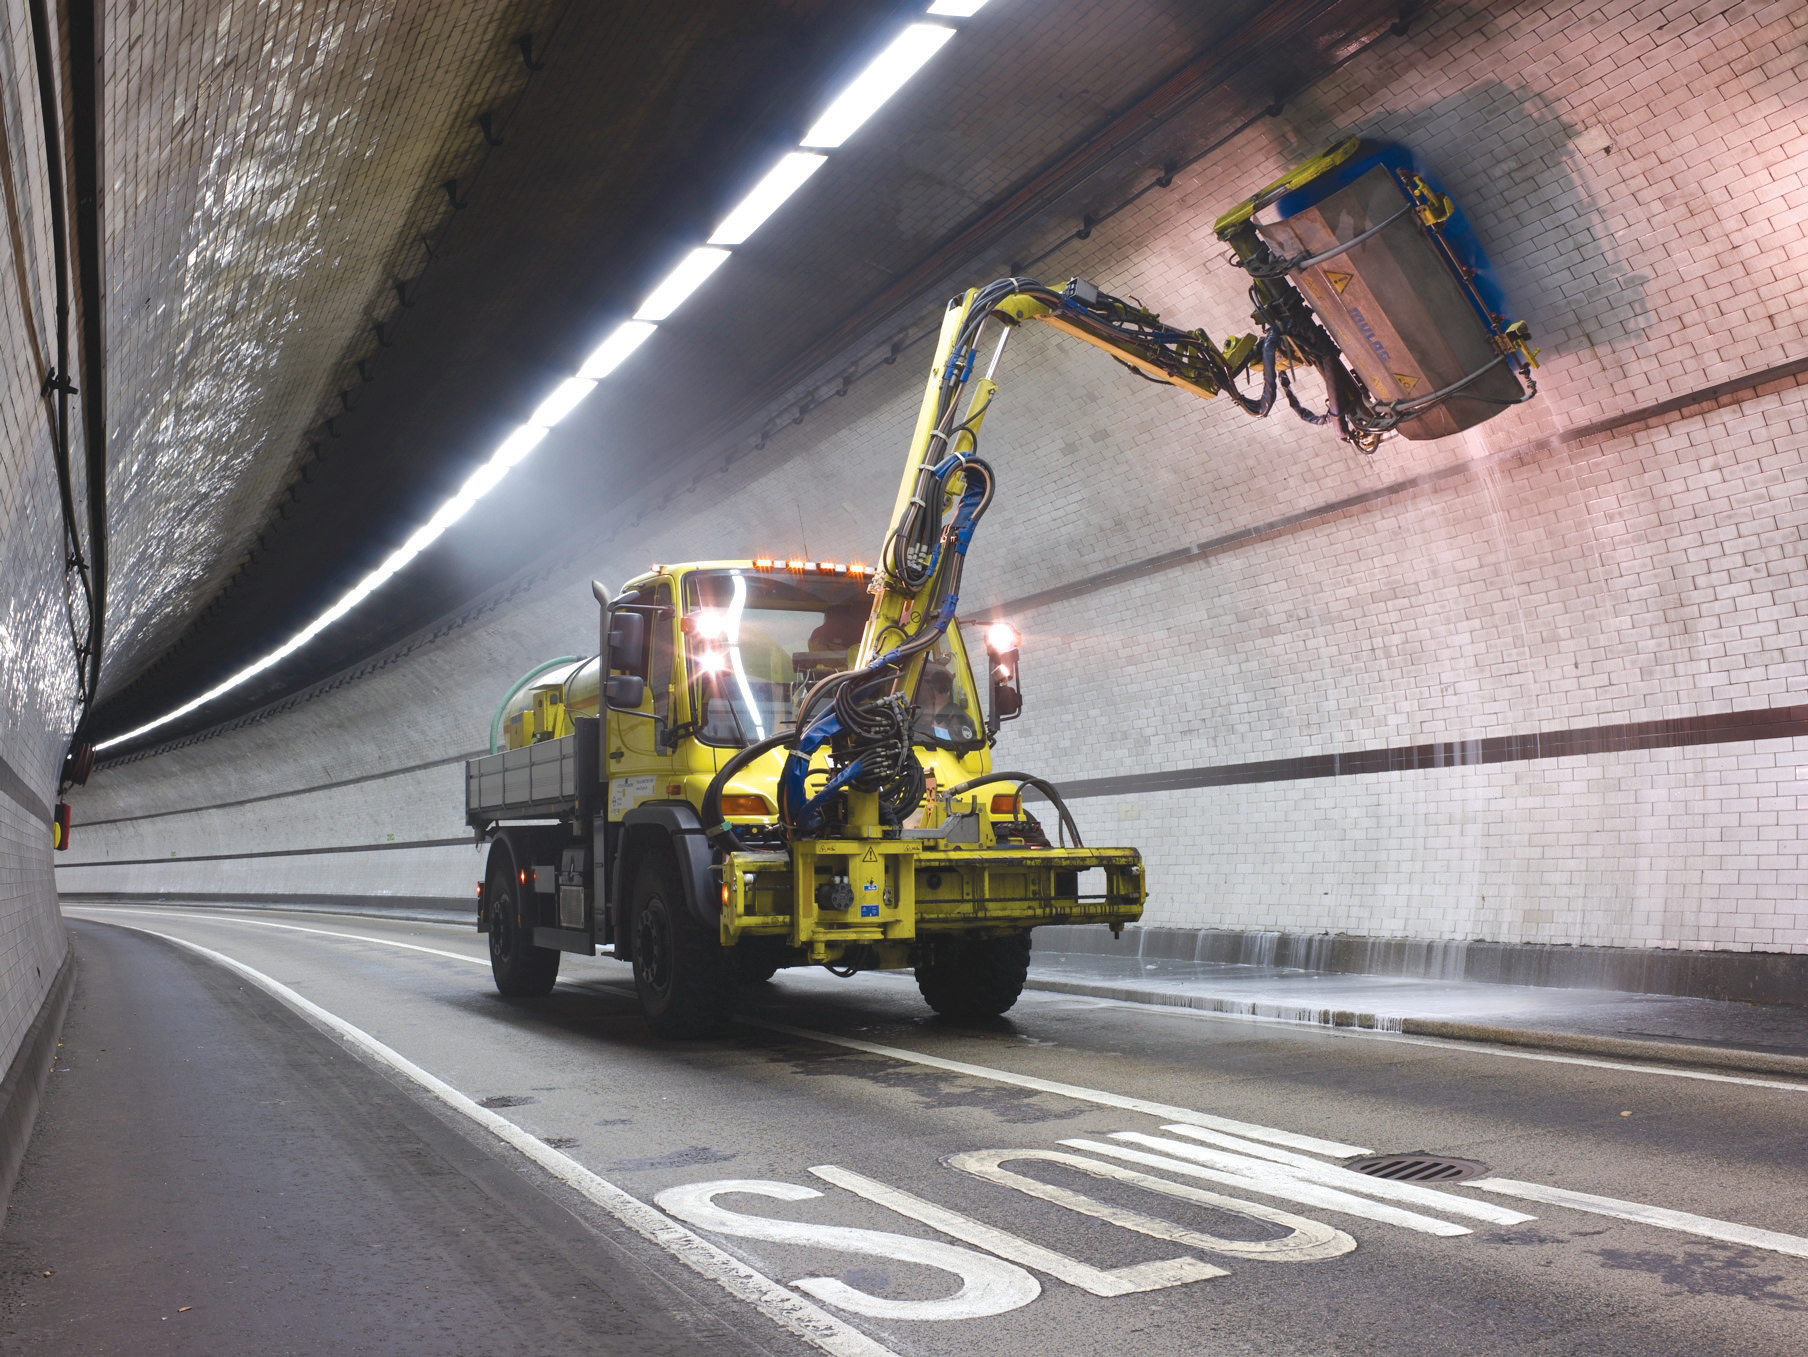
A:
(788, 762)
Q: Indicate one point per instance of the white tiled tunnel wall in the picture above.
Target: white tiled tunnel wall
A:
(1636, 173)
(37, 666)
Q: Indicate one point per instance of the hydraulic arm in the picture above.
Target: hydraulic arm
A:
(1361, 269)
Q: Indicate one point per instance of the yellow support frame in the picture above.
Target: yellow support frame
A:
(919, 889)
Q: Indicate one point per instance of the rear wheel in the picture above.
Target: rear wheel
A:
(685, 978)
(973, 978)
(522, 970)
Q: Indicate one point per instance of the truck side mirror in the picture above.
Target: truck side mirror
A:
(628, 642)
(1002, 642)
(1006, 702)
(625, 692)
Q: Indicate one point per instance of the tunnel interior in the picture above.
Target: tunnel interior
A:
(1493, 690)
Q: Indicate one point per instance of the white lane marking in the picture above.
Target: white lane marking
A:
(784, 1308)
(1307, 1241)
(1682, 1221)
(1330, 1148)
(1662, 1217)
(989, 1286)
(287, 928)
(1436, 1043)
(1313, 1171)
(1279, 1184)
(1122, 1281)
(1339, 1033)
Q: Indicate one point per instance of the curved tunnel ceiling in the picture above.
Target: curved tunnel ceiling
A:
(286, 416)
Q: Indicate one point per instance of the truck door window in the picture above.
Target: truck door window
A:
(660, 646)
(946, 711)
(754, 643)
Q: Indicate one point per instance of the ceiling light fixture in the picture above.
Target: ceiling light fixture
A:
(614, 351)
(563, 400)
(765, 197)
(957, 9)
(883, 77)
(683, 280)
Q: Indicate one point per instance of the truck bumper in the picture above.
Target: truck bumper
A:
(829, 896)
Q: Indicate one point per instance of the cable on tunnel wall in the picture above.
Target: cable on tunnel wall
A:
(84, 636)
(85, 152)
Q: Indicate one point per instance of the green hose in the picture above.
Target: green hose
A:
(520, 683)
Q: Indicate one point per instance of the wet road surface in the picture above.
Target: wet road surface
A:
(844, 1172)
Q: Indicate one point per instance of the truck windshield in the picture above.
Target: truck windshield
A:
(755, 643)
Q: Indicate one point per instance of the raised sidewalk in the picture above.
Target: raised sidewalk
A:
(1149, 968)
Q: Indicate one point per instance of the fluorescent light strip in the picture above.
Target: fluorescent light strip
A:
(683, 280)
(781, 181)
(957, 9)
(884, 76)
(881, 79)
(614, 351)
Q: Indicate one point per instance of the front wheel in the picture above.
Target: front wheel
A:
(522, 970)
(684, 977)
(969, 979)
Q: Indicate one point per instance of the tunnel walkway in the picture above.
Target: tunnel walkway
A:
(211, 1174)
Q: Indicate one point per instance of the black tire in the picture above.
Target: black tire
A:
(972, 979)
(684, 976)
(522, 970)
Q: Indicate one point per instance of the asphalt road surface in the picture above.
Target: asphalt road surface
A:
(330, 1134)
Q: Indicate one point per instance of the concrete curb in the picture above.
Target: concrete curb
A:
(1569, 1043)
(22, 1089)
(462, 914)
(1621, 1048)
(1743, 977)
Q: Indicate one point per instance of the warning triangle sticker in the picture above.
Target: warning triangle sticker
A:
(1338, 281)
(1407, 381)
(872, 855)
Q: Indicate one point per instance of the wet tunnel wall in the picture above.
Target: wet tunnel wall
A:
(37, 664)
(1530, 684)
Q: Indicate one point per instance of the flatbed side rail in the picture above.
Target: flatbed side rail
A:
(550, 779)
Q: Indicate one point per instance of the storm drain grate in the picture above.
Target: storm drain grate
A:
(1418, 1168)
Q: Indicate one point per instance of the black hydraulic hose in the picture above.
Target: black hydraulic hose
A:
(1042, 785)
(718, 830)
(1265, 402)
